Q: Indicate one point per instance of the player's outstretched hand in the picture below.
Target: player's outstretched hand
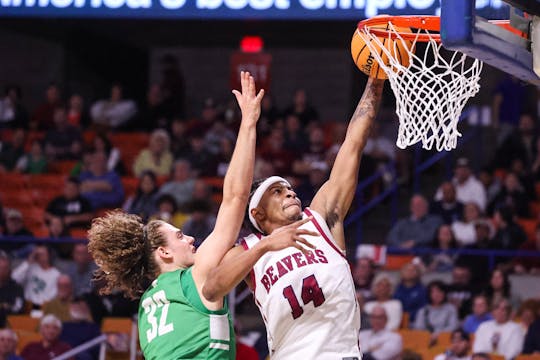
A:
(290, 235)
(248, 100)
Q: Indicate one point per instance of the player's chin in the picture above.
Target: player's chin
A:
(294, 213)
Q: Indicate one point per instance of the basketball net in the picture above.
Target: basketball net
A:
(430, 93)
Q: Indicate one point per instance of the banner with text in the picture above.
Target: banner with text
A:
(236, 9)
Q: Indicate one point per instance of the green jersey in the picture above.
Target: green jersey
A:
(174, 323)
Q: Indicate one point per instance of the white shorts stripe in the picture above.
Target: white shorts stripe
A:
(219, 346)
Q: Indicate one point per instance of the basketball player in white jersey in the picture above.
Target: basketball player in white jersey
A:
(306, 294)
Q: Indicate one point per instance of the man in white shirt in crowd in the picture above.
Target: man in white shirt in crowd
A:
(500, 335)
(468, 187)
(459, 347)
(378, 343)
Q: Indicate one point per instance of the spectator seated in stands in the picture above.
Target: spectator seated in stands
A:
(63, 141)
(295, 136)
(379, 148)
(442, 261)
(417, 230)
(50, 346)
(509, 235)
(378, 343)
(529, 264)
(513, 196)
(80, 329)
(179, 139)
(480, 314)
(201, 220)
(382, 290)
(274, 152)
(15, 227)
(115, 112)
(527, 313)
(80, 269)
(11, 293)
(492, 184)
(468, 188)
(448, 208)
(500, 335)
(479, 263)
(37, 276)
(101, 187)
(57, 230)
(101, 143)
(8, 345)
(43, 117)
(363, 274)
(439, 315)
(156, 157)
(465, 230)
(316, 177)
(12, 151)
(301, 107)
(520, 144)
(59, 305)
(144, 202)
(154, 113)
(181, 184)
(33, 162)
(532, 339)
(459, 347)
(410, 291)
(168, 211)
(223, 157)
(315, 152)
(461, 291)
(216, 134)
(77, 114)
(203, 162)
(73, 209)
(499, 287)
(12, 113)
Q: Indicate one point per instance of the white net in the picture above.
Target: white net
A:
(430, 92)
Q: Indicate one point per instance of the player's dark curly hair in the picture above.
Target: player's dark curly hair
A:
(123, 247)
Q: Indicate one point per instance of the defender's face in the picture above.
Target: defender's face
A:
(280, 204)
(179, 245)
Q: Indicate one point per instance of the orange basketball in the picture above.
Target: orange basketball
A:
(367, 63)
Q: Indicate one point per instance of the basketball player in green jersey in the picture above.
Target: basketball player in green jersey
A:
(176, 319)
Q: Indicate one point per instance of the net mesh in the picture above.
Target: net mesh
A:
(430, 92)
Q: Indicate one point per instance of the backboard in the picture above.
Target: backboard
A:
(506, 48)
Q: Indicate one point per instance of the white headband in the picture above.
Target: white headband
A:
(258, 194)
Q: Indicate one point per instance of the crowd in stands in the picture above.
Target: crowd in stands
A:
(66, 161)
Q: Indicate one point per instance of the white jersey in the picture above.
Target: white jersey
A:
(308, 302)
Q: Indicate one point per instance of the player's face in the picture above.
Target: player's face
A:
(179, 245)
(281, 204)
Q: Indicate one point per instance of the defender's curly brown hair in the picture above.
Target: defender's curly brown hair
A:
(123, 248)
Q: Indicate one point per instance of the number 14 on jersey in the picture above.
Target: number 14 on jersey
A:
(311, 291)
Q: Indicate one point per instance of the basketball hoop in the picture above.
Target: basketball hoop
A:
(431, 91)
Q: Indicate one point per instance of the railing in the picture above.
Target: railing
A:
(491, 254)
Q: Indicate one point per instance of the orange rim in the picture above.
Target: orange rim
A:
(430, 23)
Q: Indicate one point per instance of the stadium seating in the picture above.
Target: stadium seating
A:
(414, 339)
(23, 322)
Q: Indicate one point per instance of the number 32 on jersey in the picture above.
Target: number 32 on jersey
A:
(159, 304)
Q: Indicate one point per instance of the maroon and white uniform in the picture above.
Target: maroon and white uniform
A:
(308, 302)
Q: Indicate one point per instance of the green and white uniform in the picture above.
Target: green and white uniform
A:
(174, 323)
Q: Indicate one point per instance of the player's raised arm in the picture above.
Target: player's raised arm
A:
(334, 197)
(236, 184)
